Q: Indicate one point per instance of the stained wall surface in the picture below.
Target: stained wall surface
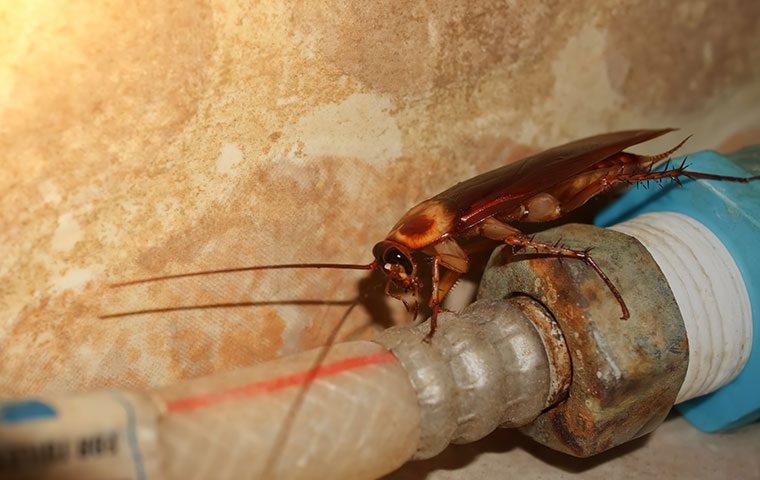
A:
(145, 138)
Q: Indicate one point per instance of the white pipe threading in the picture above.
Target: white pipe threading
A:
(710, 293)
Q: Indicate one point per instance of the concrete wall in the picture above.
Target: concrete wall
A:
(143, 138)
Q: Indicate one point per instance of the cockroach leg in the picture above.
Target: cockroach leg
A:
(435, 303)
(448, 279)
(450, 255)
(560, 251)
(642, 174)
(433, 324)
(411, 306)
(682, 171)
(543, 207)
(441, 285)
(618, 169)
(496, 230)
(441, 288)
(588, 192)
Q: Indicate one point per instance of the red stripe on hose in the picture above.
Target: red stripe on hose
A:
(267, 386)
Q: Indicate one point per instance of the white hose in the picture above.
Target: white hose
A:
(710, 293)
(359, 419)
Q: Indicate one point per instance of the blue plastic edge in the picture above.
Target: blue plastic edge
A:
(25, 411)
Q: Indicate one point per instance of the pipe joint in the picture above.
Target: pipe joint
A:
(497, 363)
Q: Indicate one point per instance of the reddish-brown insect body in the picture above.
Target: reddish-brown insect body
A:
(540, 188)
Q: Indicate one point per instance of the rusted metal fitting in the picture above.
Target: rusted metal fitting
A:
(625, 373)
(497, 363)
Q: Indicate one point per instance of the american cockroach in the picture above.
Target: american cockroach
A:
(540, 188)
(450, 226)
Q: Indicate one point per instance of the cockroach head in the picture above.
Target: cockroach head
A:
(395, 261)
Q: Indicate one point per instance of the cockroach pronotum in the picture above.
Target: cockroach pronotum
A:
(540, 188)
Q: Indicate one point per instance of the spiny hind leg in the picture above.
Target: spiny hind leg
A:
(575, 192)
(519, 240)
(435, 299)
(623, 174)
(591, 190)
(646, 163)
(681, 171)
(617, 169)
(442, 285)
(447, 281)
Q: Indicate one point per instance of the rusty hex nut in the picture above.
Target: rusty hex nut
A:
(625, 373)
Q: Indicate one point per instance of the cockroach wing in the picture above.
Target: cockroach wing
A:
(503, 189)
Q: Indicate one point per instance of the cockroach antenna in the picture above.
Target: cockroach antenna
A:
(211, 306)
(336, 266)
